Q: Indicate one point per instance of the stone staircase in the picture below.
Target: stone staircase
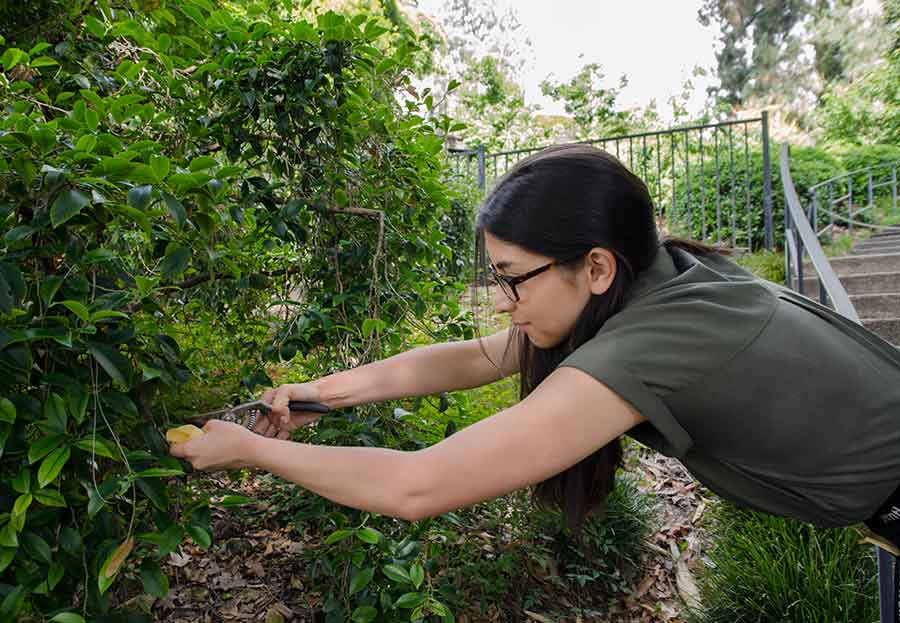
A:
(871, 276)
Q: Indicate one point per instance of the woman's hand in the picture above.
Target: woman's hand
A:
(279, 422)
(224, 445)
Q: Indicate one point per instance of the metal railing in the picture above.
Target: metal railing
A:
(824, 201)
(801, 238)
(700, 177)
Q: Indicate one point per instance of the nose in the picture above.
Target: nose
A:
(502, 303)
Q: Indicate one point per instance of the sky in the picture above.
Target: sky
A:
(655, 43)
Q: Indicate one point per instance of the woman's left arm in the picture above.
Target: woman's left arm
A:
(565, 419)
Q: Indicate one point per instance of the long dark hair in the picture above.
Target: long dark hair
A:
(561, 202)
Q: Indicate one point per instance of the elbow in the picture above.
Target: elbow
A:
(416, 490)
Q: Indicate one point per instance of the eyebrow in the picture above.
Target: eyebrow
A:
(503, 265)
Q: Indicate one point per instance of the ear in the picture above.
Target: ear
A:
(601, 269)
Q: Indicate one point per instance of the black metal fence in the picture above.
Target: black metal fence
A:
(849, 199)
(709, 182)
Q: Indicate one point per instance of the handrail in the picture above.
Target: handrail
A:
(842, 176)
(798, 222)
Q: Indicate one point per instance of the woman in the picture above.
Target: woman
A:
(769, 399)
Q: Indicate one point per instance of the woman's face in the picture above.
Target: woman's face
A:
(550, 302)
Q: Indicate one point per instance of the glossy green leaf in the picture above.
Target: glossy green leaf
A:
(49, 287)
(113, 362)
(86, 143)
(369, 535)
(416, 574)
(410, 600)
(8, 535)
(139, 197)
(67, 617)
(55, 413)
(20, 508)
(159, 472)
(43, 446)
(361, 580)
(22, 481)
(52, 465)
(7, 410)
(13, 57)
(176, 209)
(78, 309)
(160, 166)
(396, 573)
(95, 26)
(202, 163)
(37, 547)
(337, 535)
(66, 205)
(199, 535)
(7, 554)
(99, 446)
(12, 603)
(50, 497)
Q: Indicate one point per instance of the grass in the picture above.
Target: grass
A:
(771, 569)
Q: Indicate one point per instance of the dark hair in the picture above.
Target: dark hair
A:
(561, 202)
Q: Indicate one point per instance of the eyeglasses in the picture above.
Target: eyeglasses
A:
(508, 284)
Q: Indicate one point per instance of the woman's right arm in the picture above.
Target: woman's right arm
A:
(420, 371)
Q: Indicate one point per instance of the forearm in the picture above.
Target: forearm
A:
(421, 371)
(370, 479)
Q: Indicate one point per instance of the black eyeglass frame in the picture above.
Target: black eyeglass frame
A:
(508, 284)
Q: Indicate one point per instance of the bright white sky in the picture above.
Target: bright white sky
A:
(655, 43)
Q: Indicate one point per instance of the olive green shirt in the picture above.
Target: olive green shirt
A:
(769, 399)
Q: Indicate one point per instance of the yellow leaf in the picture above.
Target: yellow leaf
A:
(115, 561)
(182, 433)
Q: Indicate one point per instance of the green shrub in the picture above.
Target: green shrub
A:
(168, 172)
(808, 166)
(765, 265)
(770, 569)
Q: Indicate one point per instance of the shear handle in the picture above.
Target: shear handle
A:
(301, 405)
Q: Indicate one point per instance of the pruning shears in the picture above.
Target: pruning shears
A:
(248, 413)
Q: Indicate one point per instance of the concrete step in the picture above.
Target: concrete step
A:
(876, 306)
(887, 328)
(869, 283)
(887, 245)
(861, 264)
(886, 233)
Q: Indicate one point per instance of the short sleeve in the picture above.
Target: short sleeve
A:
(669, 341)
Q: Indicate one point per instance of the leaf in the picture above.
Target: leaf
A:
(139, 197)
(95, 26)
(19, 233)
(8, 536)
(67, 617)
(12, 57)
(97, 445)
(410, 600)
(160, 167)
(12, 603)
(361, 580)
(170, 539)
(234, 500)
(202, 163)
(43, 446)
(50, 497)
(200, 536)
(155, 581)
(55, 412)
(397, 573)
(6, 556)
(368, 535)
(7, 411)
(364, 614)
(37, 547)
(78, 309)
(176, 209)
(115, 560)
(86, 143)
(66, 205)
(52, 465)
(12, 286)
(337, 535)
(159, 472)
(416, 574)
(176, 260)
(49, 287)
(19, 509)
(116, 365)
(43, 61)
